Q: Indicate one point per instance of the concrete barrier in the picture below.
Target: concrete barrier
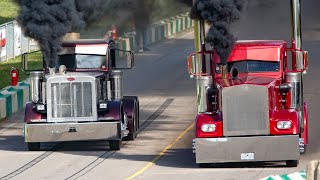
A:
(13, 97)
(3, 108)
(25, 86)
(8, 100)
(293, 176)
(313, 170)
(19, 94)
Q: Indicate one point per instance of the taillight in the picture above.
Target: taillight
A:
(284, 122)
(208, 125)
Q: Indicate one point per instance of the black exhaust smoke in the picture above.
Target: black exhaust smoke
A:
(47, 21)
(219, 14)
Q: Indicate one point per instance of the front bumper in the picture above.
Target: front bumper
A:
(56, 132)
(246, 149)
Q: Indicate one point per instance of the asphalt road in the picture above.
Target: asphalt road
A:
(168, 107)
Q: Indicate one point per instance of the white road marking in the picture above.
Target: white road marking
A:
(7, 127)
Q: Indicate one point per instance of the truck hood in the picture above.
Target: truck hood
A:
(255, 79)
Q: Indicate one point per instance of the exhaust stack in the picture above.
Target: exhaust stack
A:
(296, 78)
(297, 58)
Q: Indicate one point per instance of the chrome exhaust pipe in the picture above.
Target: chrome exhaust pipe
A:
(297, 57)
(296, 78)
(116, 84)
(36, 78)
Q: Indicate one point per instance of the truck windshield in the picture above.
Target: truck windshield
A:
(72, 61)
(254, 66)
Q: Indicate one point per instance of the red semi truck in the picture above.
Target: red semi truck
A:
(82, 98)
(253, 105)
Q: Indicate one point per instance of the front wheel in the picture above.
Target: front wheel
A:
(34, 146)
(292, 163)
(115, 144)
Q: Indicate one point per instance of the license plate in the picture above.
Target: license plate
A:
(247, 156)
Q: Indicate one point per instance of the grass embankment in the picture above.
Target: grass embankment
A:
(34, 62)
(8, 11)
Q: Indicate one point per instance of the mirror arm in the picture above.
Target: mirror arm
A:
(305, 59)
(23, 62)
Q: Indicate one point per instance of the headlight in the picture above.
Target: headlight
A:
(208, 127)
(41, 107)
(284, 124)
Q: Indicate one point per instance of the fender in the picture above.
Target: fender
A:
(278, 115)
(31, 113)
(115, 109)
(130, 108)
(214, 118)
(305, 121)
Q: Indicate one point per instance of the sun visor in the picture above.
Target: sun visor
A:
(255, 53)
(99, 49)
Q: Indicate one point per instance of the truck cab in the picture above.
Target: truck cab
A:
(81, 99)
(254, 109)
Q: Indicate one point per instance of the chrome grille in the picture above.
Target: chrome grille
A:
(71, 100)
(245, 110)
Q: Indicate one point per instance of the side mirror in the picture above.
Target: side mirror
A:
(120, 59)
(130, 59)
(192, 64)
(32, 61)
(199, 63)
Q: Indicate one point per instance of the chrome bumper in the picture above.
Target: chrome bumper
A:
(55, 132)
(246, 149)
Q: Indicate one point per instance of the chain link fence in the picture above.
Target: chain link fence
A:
(13, 43)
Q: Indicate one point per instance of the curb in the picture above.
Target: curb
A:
(293, 176)
(14, 98)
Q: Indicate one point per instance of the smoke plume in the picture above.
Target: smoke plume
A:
(47, 21)
(219, 14)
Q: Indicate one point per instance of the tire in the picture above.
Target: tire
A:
(138, 115)
(131, 136)
(115, 144)
(137, 108)
(34, 146)
(292, 163)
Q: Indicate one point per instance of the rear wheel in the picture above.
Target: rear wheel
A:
(115, 144)
(34, 146)
(292, 163)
